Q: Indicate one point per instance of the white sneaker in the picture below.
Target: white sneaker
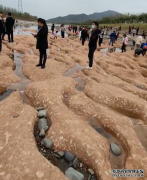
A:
(88, 67)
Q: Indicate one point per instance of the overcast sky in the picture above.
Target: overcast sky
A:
(53, 8)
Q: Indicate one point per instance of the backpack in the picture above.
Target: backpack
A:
(145, 47)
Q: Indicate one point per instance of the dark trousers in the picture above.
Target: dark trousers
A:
(10, 36)
(123, 48)
(0, 42)
(112, 40)
(100, 41)
(43, 56)
(88, 37)
(3, 36)
(90, 55)
(62, 34)
(83, 41)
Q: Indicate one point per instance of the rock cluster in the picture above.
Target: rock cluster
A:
(45, 146)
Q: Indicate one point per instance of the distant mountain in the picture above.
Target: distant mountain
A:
(82, 17)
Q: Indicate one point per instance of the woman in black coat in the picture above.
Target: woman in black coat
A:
(42, 42)
(52, 28)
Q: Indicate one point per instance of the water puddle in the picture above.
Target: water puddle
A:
(19, 86)
(141, 87)
(73, 70)
(81, 84)
(141, 131)
(117, 162)
(31, 51)
(113, 49)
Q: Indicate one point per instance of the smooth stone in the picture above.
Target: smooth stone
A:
(75, 163)
(91, 171)
(57, 156)
(47, 143)
(39, 108)
(43, 126)
(72, 174)
(42, 114)
(115, 149)
(69, 157)
(61, 153)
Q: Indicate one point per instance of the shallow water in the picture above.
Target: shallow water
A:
(19, 86)
(117, 162)
(107, 50)
(81, 84)
(73, 70)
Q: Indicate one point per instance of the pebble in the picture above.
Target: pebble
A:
(39, 108)
(43, 126)
(75, 163)
(57, 156)
(47, 143)
(42, 114)
(91, 171)
(61, 153)
(115, 149)
(69, 157)
(72, 174)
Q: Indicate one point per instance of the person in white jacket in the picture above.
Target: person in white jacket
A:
(125, 42)
(138, 41)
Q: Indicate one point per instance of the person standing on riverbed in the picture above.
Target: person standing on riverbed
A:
(4, 23)
(62, 31)
(112, 38)
(101, 37)
(125, 42)
(9, 26)
(52, 28)
(93, 43)
(2, 30)
(83, 35)
(42, 42)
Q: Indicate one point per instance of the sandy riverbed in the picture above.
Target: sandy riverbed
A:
(114, 93)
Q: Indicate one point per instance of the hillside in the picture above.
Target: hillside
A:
(82, 17)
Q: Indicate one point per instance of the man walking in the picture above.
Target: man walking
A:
(83, 36)
(93, 43)
(112, 38)
(2, 30)
(125, 42)
(9, 26)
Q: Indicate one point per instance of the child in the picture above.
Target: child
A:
(55, 34)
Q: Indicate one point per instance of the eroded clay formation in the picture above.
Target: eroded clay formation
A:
(114, 96)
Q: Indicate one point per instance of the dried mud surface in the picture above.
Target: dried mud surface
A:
(112, 96)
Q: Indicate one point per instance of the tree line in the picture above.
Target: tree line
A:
(16, 14)
(125, 18)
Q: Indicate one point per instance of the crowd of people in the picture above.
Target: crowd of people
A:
(6, 27)
(94, 35)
